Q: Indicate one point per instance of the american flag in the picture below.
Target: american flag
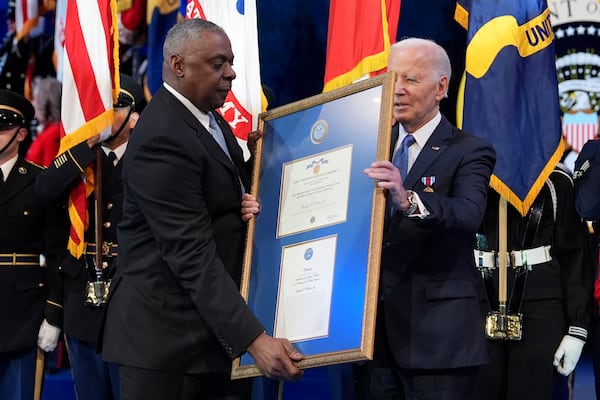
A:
(90, 83)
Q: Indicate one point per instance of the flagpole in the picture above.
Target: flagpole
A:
(502, 258)
(98, 213)
(39, 374)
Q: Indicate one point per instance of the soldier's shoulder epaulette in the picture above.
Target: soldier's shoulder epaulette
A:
(41, 167)
(35, 167)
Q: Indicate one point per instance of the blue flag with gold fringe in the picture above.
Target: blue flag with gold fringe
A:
(509, 92)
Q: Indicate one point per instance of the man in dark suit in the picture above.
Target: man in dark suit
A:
(429, 336)
(175, 317)
(93, 378)
(30, 290)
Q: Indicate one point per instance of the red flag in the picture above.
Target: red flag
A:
(90, 83)
(358, 40)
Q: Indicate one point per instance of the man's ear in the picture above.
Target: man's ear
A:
(133, 119)
(176, 65)
(442, 88)
(22, 134)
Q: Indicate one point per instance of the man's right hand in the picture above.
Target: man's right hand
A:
(275, 357)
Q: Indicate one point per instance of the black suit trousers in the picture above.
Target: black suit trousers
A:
(383, 379)
(147, 384)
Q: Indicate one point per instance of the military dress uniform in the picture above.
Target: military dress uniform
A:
(94, 378)
(587, 202)
(29, 291)
(554, 296)
(81, 320)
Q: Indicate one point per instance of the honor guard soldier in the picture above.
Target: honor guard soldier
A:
(549, 291)
(86, 280)
(587, 181)
(32, 243)
(587, 202)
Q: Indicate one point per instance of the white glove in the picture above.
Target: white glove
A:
(48, 336)
(567, 354)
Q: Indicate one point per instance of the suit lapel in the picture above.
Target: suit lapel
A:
(19, 178)
(206, 138)
(203, 134)
(434, 147)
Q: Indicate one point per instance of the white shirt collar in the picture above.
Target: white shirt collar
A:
(119, 151)
(7, 166)
(422, 134)
(200, 115)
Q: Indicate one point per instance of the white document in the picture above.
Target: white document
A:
(305, 288)
(314, 191)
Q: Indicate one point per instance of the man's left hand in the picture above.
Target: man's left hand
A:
(250, 207)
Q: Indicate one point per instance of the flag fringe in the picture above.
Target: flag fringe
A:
(89, 129)
(524, 206)
(115, 37)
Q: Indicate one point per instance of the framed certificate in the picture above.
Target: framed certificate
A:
(311, 264)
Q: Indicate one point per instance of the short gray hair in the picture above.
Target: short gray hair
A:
(441, 61)
(184, 32)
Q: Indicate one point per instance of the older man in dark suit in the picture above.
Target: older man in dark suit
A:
(430, 337)
(175, 317)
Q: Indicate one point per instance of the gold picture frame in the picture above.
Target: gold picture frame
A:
(311, 263)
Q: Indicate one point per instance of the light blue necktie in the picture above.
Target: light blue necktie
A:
(400, 159)
(216, 133)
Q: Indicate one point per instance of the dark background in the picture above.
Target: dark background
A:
(292, 37)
